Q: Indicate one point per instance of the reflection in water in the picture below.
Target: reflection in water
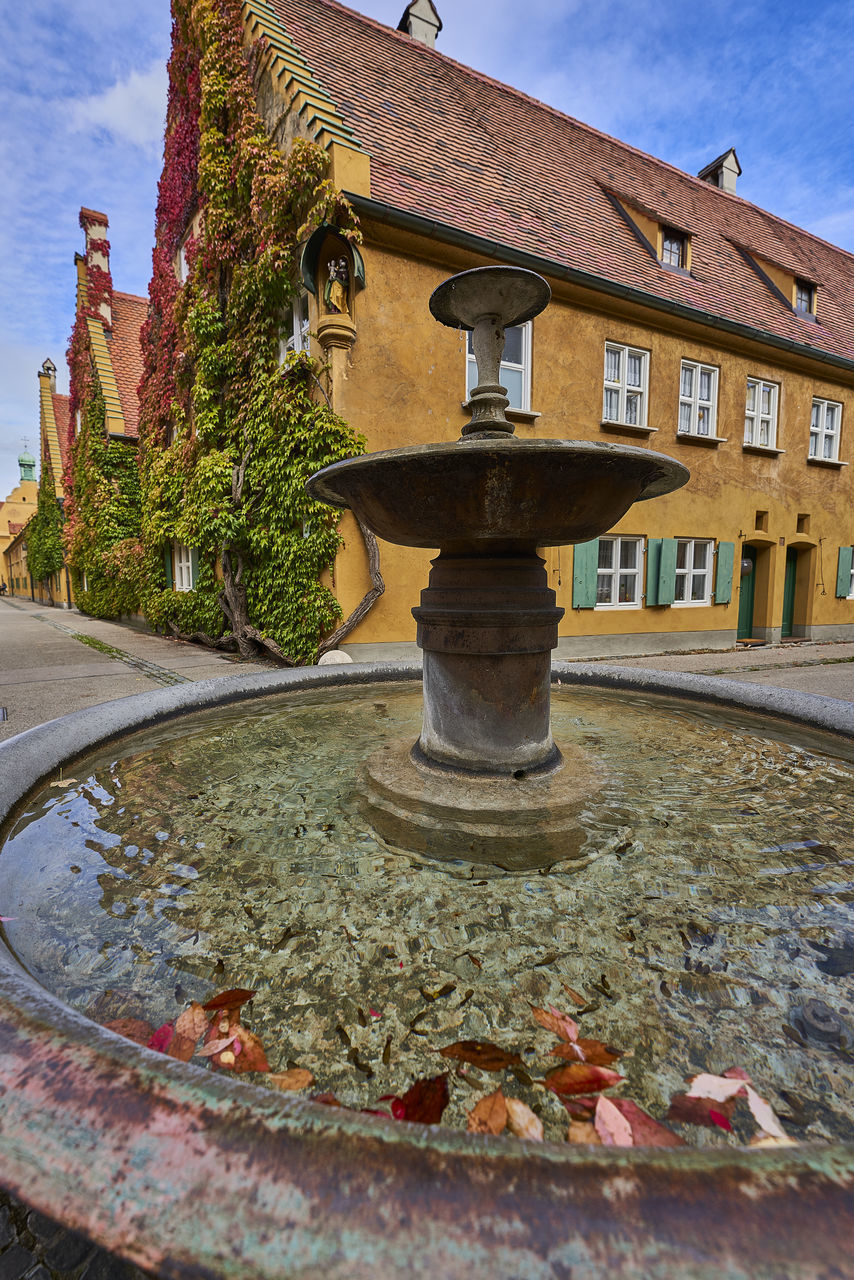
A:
(227, 850)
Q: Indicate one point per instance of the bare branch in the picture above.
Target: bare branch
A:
(368, 600)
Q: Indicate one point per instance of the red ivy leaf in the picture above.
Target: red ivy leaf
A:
(481, 1053)
(424, 1102)
(703, 1111)
(132, 1029)
(162, 1037)
(646, 1132)
(229, 1000)
(580, 1077)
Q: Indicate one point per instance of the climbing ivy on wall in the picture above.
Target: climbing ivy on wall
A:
(102, 497)
(228, 434)
(44, 532)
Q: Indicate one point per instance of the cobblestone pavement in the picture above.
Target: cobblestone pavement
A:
(33, 1247)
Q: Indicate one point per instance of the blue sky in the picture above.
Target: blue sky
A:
(82, 101)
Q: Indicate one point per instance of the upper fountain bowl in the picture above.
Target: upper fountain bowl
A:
(496, 494)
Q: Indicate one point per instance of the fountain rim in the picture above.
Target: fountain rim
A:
(91, 1122)
(672, 474)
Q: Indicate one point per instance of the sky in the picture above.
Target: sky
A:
(82, 106)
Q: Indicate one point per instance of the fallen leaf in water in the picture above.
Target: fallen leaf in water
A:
(611, 1125)
(424, 1102)
(132, 1029)
(248, 1052)
(489, 1115)
(7, 919)
(64, 782)
(522, 1121)
(646, 1132)
(214, 1046)
(574, 996)
(559, 1023)
(327, 1100)
(766, 1140)
(192, 1023)
(702, 1111)
(162, 1038)
(763, 1114)
(583, 1131)
(291, 1081)
(736, 1073)
(229, 1000)
(181, 1047)
(592, 1051)
(718, 1087)
(580, 1077)
(480, 1053)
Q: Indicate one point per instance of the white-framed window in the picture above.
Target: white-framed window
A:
(295, 327)
(515, 371)
(760, 413)
(674, 248)
(182, 559)
(698, 399)
(824, 429)
(694, 557)
(626, 380)
(619, 573)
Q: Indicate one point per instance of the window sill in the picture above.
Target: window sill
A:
(833, 463)
(514, 415)
(689, 437)
(691, 604)
(630, 427)
(762, 448)
(677, 271)
(604, 608)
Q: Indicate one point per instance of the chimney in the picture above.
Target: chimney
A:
(723, 172)
(421, 21)
(99, 282)
(48, 370)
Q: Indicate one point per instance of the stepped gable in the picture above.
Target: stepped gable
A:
(457, 147)
(129, 313)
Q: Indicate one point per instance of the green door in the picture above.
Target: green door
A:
(747, 591)
(789, 592)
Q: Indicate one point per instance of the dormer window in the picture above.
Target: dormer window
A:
(805, 297)
(674, 248)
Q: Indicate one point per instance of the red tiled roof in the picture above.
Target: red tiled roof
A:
(60, 413)
(452, 145)
(129, 312)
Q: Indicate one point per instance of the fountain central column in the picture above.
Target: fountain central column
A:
(487, 625)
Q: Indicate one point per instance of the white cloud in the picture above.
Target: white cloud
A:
(132, 110)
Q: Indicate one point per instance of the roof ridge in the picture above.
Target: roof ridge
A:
(432, 52)
(134, 297)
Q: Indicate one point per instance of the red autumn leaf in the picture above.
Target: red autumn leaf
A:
(424, 1102)
(646, 1132)
(327, 1100)
(560, 1024)
(192, 1023)
(229, 1000)
(244, 1052)
(480, 1053)
(612, 1126)
(181, 1047)
(581, 1107)
(702, 1111)
(574, 995)
(132, 1029)
(592, 1051)
(580, 1077)
(162, 1038)
(736, 1073)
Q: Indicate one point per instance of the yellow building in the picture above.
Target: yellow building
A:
(684, 319)
(14, 514)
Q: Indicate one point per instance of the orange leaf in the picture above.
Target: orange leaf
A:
(252, 1056)
(489, 1115)
(192, 1023)
(583, 1131)
(480, 1053)
(181, 1047)
(229, 1000)
(291, 1081)
(592, 1051)
(132, 1029)
(576, 999)
(580, 1077)
(522, 1122)
(559, 1023)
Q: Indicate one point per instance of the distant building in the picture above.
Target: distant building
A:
(15, 511)
(684, 319)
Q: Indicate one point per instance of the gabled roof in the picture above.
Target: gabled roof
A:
(129, 313)
(454, 147)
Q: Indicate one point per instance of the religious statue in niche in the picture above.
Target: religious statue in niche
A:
(337, 290)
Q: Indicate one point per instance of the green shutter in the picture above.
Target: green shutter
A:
(585, 562)
(843, 571)
(653, 559)
(666, 578)
(194, 566)
(723, 573)
(167, 565)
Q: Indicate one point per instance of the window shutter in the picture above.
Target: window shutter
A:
(167, 565)
(653, 559)
(667, 572)
(585, 561)
(843, 571)
(194, 566)
(723, 573)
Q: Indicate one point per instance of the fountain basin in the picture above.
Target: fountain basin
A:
(143, 1153)
(496, 495)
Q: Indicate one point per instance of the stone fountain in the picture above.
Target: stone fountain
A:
(197, 1176)
(486, 781)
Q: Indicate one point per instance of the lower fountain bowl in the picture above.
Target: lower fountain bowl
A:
(189, 1174)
